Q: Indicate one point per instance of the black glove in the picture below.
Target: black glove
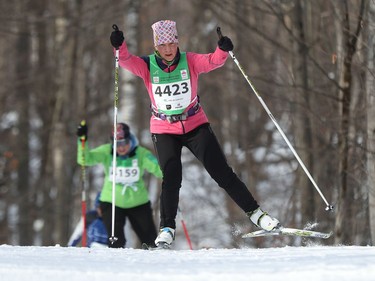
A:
(117, 38)
(225, 44)
(82, 131)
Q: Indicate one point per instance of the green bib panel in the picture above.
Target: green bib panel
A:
(171, 91)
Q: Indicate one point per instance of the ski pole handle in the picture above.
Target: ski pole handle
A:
(220, 35)
(83, 138)
(218, 30)
(117, 33)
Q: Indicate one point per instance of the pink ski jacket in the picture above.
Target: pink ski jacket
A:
(197, 63)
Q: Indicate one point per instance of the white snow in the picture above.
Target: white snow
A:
(285, 263)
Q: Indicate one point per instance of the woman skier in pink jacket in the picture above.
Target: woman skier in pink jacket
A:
(178, 119)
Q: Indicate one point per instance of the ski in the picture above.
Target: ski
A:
(153, 248)
(290, 232)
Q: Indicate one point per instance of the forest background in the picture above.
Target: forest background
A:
(311, 61)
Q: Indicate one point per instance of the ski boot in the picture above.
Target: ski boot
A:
(263, 220)
(165, 238)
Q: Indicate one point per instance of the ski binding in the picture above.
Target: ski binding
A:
(288, 231)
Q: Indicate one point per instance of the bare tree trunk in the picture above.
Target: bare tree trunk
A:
(302, 123)
(23, 152)
(67, 25)
(370, 93)
(349, 42)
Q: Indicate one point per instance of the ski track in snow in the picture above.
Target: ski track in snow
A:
(287, 263)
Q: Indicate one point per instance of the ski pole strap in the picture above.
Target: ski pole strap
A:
(218, 31)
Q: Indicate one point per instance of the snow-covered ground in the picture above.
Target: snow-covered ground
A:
(286, 263)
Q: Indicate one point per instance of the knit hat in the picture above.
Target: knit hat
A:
(122, 131)
(165, 31)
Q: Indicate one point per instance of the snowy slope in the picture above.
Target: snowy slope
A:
(287, 263)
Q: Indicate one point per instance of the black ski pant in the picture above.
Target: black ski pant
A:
(140, 218)
(203, 144)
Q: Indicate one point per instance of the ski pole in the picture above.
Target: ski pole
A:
(113, 239)
(328, 206)
(185, 229)
(83, 196)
